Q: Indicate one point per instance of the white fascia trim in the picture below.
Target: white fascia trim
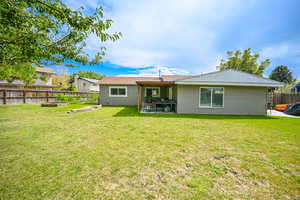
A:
(229, 84)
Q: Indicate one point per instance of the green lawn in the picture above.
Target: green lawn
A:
(116, 153)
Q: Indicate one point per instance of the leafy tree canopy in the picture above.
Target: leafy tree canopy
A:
(87, 74)
(45, 32)
(244, 61)
(283, 74)
(62, 78)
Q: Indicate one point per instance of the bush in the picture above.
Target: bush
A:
(93, 98)
(67, 99)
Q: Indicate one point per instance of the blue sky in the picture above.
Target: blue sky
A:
(191, 36)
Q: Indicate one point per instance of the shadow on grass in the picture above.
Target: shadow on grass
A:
(132, 112)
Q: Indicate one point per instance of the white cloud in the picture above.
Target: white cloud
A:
(280, 50)
(181, 34)
(134, 57)
(285, 53)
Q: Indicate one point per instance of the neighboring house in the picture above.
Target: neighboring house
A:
(221, 92)
(86, 84)
(297, 88)
(45, 84)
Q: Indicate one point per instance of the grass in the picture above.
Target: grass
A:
(116, 153)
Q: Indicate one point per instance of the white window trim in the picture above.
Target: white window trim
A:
(114, 87)
(211, 98)
(152, 88)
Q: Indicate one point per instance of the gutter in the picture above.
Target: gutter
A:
(229, 84)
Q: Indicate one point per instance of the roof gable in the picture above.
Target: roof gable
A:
(90, 80)
(229, 77)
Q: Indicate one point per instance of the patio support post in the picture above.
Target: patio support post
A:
(138, 97)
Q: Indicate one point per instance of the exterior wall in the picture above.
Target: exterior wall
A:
(130, 100)
(85, 86)
(237, 100)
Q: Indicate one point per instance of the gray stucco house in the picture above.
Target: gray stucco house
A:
(86, 84)
(220, 92)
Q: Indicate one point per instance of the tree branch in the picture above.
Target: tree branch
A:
(49, 6)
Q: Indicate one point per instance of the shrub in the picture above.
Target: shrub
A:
(93, 98)
(67, 99)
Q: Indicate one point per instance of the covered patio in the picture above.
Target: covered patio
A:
(157, 96)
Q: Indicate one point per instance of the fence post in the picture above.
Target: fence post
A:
(24, 96)
(37, 95)
(4, 96)
(47, 96)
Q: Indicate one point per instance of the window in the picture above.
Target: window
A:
(152, 92)
(211, 97)
(118, 91)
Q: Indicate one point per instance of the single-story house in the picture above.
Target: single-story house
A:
(86, 84)
(220, 92)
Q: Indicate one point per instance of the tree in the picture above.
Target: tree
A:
(287, 87)
(62, 78)
(43, 32)
(244, 62)
(283, 74)
(87, 74)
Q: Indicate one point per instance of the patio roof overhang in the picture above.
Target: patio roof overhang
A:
(155, 83)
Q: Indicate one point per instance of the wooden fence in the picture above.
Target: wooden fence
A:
(22, 96)
(281, 98)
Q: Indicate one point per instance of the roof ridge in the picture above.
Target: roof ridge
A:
(199, 75)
